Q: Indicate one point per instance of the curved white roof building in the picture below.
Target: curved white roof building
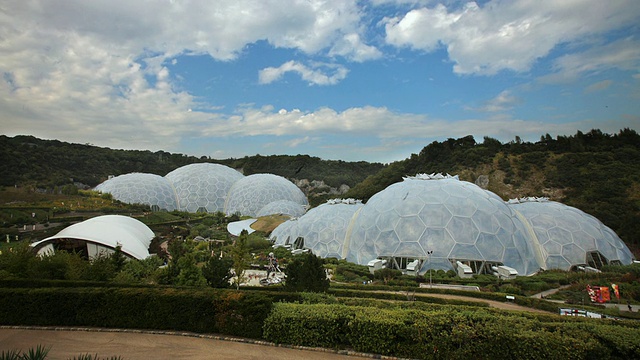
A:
(101, 235)
(140, 188)
(251, 193)
(202, 187)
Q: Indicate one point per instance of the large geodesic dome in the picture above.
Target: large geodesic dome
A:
(140, 188)
(568, 237)
(284, 207)
(440, 221)
(323, 228)
(202, 187)
(251, 193)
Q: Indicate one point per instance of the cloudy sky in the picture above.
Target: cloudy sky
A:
(351, 80)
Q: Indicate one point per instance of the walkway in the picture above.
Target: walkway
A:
(129, 345)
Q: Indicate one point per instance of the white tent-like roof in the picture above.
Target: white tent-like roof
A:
(110, 231)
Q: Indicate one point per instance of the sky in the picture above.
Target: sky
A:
(343, 80)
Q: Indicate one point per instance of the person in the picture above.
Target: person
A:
(629, 306)
(273, 264)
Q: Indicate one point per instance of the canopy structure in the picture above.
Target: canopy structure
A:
(101, 235)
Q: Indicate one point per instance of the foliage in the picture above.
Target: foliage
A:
(241, 257)
(451, 333)
(387, 274)
(38, 353)
(217, 271)
(190, 309)
(349, 272)
(306, 273)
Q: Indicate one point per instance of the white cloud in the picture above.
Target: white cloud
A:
(506, 35)
(100, 65)
(622, 54)
(320, 74)
(352, 48)
(297, 142)
(598, 86)
(503, 102)
(388, 126)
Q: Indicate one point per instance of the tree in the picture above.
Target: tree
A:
(241, 257)
(217, 271)
(190, 274)
(306, 273)
(387, 274)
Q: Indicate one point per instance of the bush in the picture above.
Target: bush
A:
(306, 273)
(203, 311)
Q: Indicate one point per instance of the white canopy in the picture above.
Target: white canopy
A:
(110, 231)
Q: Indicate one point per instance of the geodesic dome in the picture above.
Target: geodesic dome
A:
(455, 220)
(141, 188)
(102, 234)
(251, 193)
(203, 187)
(323, 228)
(281, 235)
(284, 207)
(569, 237)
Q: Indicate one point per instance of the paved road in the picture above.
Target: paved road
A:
(131, 346)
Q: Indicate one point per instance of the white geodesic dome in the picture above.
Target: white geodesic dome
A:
(323, 228)
(281, 235)
(203, 187)
(140, 188)
(251, 193)
(569, 237)
(284, 207)
(455, 220)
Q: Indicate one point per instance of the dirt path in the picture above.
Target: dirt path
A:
(67, 344)
(492, 303)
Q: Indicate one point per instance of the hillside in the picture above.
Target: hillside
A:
(45, 164)
(595, 172)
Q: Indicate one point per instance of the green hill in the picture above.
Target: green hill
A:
(29, 161)
(595, 172)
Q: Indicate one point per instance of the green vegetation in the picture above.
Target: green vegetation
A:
(595, 172)
(441, 333)
(54, 166)
(306, 273)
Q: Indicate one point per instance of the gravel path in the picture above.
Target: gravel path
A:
(66, 344)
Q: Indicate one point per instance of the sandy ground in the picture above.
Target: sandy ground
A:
(69, 344)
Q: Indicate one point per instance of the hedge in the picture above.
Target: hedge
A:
(396, 296)
(495, 296)
(447, 334)
(196, 310)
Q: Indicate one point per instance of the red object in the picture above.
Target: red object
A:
(616, 290)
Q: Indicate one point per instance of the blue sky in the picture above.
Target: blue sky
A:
(350, 80)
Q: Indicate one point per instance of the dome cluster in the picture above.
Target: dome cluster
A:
(207, 187)
(441, 222)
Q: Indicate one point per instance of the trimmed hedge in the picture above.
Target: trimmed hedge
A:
(447, 334)
(403, 297)
(358, 290)
(196, 310)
